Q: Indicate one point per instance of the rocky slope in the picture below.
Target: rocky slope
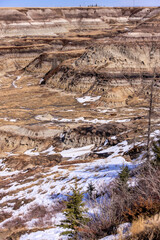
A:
(75, 91)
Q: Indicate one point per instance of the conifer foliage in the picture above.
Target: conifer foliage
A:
(156, 149)
(124, 175)
(90, 190)
(74, 213)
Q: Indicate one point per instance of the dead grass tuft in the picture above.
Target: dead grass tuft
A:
(142, 224)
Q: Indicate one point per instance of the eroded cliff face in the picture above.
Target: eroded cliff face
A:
(60, 21)
(74, 89)
(116, 71)
(72, 21)
(94, 50)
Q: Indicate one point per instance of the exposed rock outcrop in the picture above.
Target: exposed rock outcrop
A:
(97, 135)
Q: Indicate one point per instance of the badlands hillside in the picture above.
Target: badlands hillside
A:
(75, 89)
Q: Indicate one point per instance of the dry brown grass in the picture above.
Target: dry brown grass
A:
(144, 229)
(142, 224)
(76, 161)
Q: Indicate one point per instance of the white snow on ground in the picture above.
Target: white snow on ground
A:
(82, 119)
(53, 189)
(123, 120)
(100, 172)
(132, 182)
(31, 152)
(107, 110)
(48, 117)
(113, 137)
(14, 82)
(57, 182)
(13, 120)
(1, 163)
(155, 135)
(49, 151)
(106, 142)
(8, 173)
(8, 120)
(63, 120)
(10, 154)
(122, 228)
(71, 153)
(110, 237)
(76, 152)
(88, 99)
(41, 81)
(49, 234)
(123, 146)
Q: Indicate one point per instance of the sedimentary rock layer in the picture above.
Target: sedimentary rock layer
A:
(97, 50)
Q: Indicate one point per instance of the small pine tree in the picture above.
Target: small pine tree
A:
(74, 213)
(156, 150)
(124, 175)
(90, 189)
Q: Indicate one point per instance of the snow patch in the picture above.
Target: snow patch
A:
(31, 152)
(49, 234)
(13, 120)
(113, 137)
(76, 152)
(8, 120)
(123, 120)
(82, 119)
(14, 82)
(88, 99)
(49, 151)
(42, 81)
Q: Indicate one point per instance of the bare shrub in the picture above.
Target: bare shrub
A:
(149, 181)
(37, 211)
(44, 215)
(142, 206)
(19, 202)
(123, 203)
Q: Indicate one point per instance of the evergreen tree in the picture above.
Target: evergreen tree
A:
(90, 189)
(74, 213)
(156, 149)
(124, 175)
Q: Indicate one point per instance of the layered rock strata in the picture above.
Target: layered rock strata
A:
(55, 44)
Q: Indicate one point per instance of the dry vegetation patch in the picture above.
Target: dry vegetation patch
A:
(122, 203)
